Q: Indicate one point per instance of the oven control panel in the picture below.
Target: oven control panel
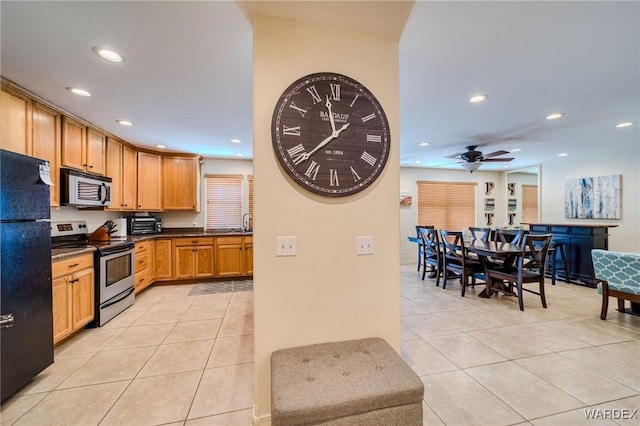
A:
(61, 229)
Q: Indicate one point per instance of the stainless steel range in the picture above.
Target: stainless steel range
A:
(113, 265)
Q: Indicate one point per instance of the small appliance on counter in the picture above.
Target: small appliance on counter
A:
(147, 224)
(120, 231)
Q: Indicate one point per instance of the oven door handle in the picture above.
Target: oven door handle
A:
(113, 302)
(116, 251)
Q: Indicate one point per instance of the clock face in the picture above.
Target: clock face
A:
(330, 134)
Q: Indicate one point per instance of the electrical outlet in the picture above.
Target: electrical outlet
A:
(364, 245)
(287, 246)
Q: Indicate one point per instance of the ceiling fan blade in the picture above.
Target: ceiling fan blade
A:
(495, 154)
(495, 160)
(456, 155)
(447, 164)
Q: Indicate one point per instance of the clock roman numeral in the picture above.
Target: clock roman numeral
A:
(291, 131)
(354, 101)
(335, 92)
(300, 110)
(312, 171)
(355, 175)
(368, 117)
(297, 154)
(333, 177)
(373, 138)
(314, 94)
(368, 158)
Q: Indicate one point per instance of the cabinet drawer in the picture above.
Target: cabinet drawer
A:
(229, 240)
(72, 265)
(195, 241)
(141, 261)
(142, 246)
(142, 279)
(248, 239)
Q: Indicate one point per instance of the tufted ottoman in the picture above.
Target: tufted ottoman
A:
(363, 382)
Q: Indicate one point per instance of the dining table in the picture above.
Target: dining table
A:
(503, 255)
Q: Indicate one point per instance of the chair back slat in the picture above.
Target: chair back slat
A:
(534, 249)
(516, 240)
(481, 234)
(430, 241)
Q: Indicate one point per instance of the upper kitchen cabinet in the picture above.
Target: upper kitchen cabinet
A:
(149, 181)
(82, 149)
(95, 153)
(180, 177)
(121, 168)
(15, 122)
(46, 144)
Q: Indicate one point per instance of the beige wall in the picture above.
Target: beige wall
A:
(326, 292)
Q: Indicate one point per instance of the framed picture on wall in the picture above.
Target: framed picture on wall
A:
(512, 204)
(489, 204)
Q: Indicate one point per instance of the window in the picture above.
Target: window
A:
(224, 195)
(447, 205)
(529, 204)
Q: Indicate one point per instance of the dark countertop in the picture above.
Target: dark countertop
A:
(58, 254)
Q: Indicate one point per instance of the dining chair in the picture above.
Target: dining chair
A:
(529, 268)
(419, 236)
(506, 237)
(481, 234)
(456, 259)
(431, 253)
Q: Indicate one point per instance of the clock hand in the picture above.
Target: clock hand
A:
(331, 137)
(333, 124)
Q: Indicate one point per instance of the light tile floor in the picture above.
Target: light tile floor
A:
(188, 360)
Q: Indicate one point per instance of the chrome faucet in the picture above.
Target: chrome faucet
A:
(245, 222)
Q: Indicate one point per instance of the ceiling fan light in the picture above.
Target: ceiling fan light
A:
(470, 167)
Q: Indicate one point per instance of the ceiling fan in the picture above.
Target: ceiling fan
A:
(473, 159)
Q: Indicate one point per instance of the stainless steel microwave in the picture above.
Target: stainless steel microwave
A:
(81, 189)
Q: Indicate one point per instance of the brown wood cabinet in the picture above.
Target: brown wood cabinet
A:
(234, 256)
(15, 122)
(121, 168)
(149, 181)
(143, 264)
(180, 177)
(163, 259)
(194, 257)
(73, 295)
(95, 152)
(73, 144)
(46, 144)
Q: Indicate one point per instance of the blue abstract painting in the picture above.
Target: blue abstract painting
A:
(592, 198)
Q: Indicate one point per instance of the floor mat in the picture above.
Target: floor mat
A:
(221, 287)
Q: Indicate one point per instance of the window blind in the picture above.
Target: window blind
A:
(250, 198)
(529, 203)
(224, 201)
(447, 205)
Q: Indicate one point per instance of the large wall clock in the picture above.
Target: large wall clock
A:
(330, 134)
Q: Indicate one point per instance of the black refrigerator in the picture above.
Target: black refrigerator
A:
(26, 321)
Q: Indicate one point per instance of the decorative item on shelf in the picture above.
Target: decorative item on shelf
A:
(489, 217)
(512, 204)
(489, 204)
(489, 186)
(406, 199)
(330, 134)
(511, 187)
(511, 218)
(592, 198)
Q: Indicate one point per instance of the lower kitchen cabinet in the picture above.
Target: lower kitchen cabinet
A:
(143, 264)
(163, 260)
(73, 295)
(234, 256)
(194, 257)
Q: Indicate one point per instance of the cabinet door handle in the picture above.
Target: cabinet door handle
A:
(74, 265)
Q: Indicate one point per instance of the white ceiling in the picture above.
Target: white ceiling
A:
(187, 78)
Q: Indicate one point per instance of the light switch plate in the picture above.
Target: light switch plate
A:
(286, 246)
(364, 245)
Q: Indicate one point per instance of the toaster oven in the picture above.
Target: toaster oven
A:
(137, 225)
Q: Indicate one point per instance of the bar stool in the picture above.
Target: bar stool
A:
(552, 259)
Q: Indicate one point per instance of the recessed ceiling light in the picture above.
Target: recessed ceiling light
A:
(625, 124)
(564, 154)
(108, 54)
(555, 115)
(160, 146)
(235, 141)
(425, 143)
(78, 91)
(478, 98)
(124, 122)
(516, 150)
